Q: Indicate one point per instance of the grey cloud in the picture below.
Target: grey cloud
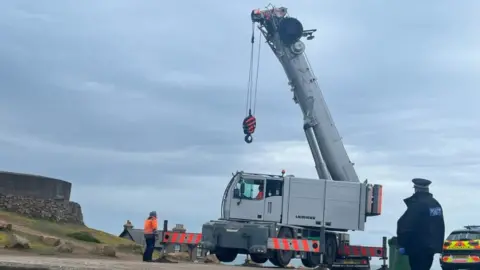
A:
(103, 166)
(110, 58)
(140, 105)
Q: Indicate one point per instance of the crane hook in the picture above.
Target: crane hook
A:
(248, 138)
(249, 125)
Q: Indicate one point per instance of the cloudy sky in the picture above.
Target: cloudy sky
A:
(139, 103)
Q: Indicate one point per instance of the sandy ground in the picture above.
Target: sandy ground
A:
(11, 261)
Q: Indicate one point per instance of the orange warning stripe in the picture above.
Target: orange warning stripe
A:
(361, 251)
(182, 238)
(294, 244)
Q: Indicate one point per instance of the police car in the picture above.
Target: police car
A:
(461, 249)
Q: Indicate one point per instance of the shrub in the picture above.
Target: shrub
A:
(84, 236)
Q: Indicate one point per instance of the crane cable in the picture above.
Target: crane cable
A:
(250, 122)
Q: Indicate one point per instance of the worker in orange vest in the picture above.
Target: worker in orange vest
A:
(150, 231)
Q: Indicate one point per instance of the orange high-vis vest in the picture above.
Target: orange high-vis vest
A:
(150, 225)
(259, 195)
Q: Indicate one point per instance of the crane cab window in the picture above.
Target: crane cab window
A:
(274, 188)
(250, 189)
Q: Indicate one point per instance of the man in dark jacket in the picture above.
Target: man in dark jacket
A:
(421, 229)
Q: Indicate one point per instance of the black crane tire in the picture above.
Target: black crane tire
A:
(274, 261)
(226, 254)
(330, 249)
(259, 258)
(307, 263)
(284, 257)
(312, 260)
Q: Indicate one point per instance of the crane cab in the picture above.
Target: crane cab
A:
(253, 197)
(298, 201)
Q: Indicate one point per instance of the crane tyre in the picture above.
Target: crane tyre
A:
(274, 261)
(312, 260)
(307, 263)
(330, 249)
(258, 258)
(226, 254)
(283, 257)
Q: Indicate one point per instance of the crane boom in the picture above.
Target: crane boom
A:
(283, 35)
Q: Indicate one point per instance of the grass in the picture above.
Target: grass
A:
(16, 219)
(84, 236)
(68, 230)
(109, 238)
(35, 244)
(62, 231)
(3, 238)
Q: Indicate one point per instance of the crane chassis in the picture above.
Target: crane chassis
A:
(277, 218)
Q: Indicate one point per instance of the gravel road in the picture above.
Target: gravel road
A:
(40, 262)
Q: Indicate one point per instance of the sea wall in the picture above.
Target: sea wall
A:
(57, 210)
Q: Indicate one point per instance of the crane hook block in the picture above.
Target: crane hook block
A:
(249, 125)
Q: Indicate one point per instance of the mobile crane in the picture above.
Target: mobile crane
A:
(294, 216)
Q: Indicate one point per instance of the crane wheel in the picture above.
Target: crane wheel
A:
(330, 249)
(258, 258)
(274, 261)
(226, 254)
(281, 258)
(312, 260)
(307, 263)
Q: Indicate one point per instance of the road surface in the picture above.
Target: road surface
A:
(40, 262)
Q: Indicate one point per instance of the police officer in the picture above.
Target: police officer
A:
(149, 231)
(421, 229)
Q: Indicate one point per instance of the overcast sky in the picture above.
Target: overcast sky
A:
(139, 103)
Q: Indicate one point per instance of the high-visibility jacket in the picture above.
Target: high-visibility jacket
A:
(259, 195)
(150, 225)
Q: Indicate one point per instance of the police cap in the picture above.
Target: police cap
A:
(421, 183)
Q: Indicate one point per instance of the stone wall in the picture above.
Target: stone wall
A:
(37, 186)
(60, 211)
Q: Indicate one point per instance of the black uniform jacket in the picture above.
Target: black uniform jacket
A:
(421, 229)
